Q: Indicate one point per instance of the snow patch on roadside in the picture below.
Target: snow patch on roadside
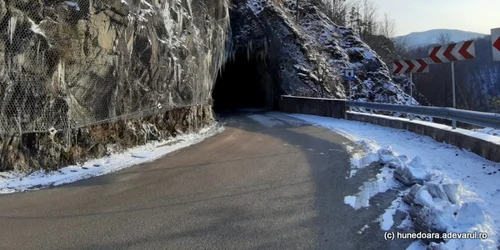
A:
(11, 182)
(362, 156)
(386, 220)
(382, 183)
(417, 245)
(362, 230)
(265, 120)
(406, 223)
(458, 190)
(360, 160)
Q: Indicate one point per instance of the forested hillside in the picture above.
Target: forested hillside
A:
(478, 80)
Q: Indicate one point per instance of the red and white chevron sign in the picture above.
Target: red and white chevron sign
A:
(411, 66)
(453, 52)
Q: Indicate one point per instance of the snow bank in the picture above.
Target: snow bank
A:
(411, 173)
(442, 207)
(489, 131)
(451, 190)
(15, 182)
(485, 134)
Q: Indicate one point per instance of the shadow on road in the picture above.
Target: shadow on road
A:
(283, 188)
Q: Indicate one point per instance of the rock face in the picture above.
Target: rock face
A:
(75, 63)
(265, 29)
(78, 75)
(311, 52)
(67, 65)
(34, 151)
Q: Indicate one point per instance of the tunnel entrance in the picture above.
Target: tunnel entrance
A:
(243, 83)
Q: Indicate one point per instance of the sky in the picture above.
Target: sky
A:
(422, 15)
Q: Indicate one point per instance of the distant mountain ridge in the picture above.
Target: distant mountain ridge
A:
(422, 39)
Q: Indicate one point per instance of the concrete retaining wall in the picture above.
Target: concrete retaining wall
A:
(313, 106)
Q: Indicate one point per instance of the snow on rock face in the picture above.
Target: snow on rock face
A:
(311, 55)
(256, 5)
(343, 48)
(263, 30)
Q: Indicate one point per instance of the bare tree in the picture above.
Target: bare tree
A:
(338, 11)
(402, 48)
(444, 38)
(298, 11)
(387, 26)
(368, 18)
(355, 19)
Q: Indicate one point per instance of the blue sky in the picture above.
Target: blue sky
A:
(421, 15)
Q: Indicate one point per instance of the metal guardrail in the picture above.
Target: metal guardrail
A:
(491, 120)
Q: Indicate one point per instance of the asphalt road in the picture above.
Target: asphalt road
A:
(250, 187)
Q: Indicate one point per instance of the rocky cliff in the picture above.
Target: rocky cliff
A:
(79, 75)
(311, 52)
(70, 64)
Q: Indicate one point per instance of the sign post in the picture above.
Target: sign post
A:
(411, 89)
(350, 77)
(452, 53)
(454, 122)
(350, 90)
(495, 41)
(411, 93)
(410, 67)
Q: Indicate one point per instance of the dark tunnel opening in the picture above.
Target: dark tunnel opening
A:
(243, 83)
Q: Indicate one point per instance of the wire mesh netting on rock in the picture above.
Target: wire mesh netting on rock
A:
(69, 64)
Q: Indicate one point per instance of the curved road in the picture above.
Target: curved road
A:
(254, 186)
